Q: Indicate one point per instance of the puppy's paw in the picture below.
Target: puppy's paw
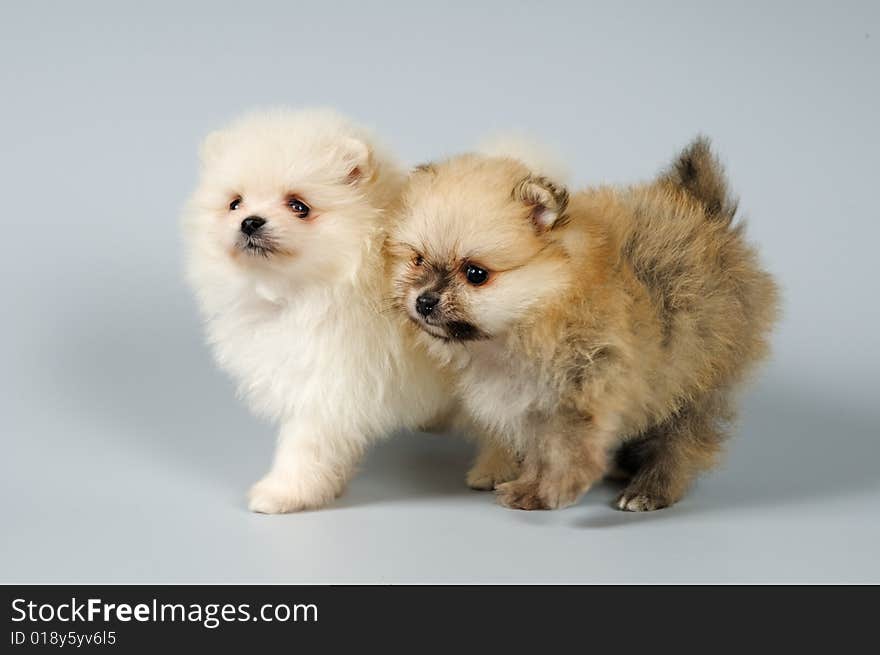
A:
(640, 502)
(479, 480)
(275, 494)
(489, 472)
(543, 493)
(520, 494)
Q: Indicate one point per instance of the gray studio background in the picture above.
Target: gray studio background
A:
(125, 456)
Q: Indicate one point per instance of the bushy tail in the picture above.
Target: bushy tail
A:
(699, 173)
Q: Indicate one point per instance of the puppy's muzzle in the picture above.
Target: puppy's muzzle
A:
(252, 224)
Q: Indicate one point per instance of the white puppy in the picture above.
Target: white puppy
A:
(285, 239)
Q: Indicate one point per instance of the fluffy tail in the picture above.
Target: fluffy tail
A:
(699, 173)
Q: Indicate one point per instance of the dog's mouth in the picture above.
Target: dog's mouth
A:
(257, 246)
(432, 329)
(458, 331)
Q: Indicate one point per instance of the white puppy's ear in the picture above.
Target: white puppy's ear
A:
(212, 147)
(545, 199)
(357, 157)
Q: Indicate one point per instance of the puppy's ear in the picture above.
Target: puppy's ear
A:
(546, 201)
(357, 158)
(211, 147)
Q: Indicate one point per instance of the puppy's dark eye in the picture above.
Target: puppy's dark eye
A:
(298, 207)
(235, 204)
(476, 275)
(418, 260)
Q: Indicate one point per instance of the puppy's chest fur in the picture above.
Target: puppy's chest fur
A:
(506, 392)
(328, 356)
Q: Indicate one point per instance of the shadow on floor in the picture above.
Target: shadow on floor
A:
(411, 466)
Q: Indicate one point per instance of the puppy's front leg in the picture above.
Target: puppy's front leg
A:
(311, 467)
(566, 457)
(494, 465)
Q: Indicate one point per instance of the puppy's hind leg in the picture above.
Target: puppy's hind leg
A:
(668, 457)
(311, 467)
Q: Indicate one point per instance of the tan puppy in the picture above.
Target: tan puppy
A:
(615, 321)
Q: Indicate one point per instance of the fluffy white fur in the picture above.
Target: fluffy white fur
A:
(304, 329)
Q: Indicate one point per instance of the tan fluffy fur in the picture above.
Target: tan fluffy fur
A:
(615, 322)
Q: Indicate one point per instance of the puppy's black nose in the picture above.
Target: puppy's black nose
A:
(251, 224)
(426, 303)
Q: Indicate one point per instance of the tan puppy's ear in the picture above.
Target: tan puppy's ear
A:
(546, 200)
(357, 157)
(212, 147)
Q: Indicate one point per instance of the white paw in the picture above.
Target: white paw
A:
(275, 494)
